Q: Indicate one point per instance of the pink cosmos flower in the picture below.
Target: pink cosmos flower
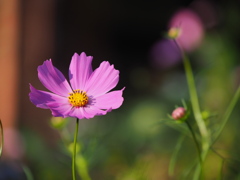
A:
(86, 96)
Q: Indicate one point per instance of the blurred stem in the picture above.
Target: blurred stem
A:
(195, 103)
(196, 112)
(227, 114)
(221, 170)
(82, 167)
(220, 177)
(27, 172)
(174, 156)
(197, 115)
(2, 138)
(74, 150)
(195, 140)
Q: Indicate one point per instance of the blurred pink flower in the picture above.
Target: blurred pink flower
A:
(165, 54)
(86, 96)
(191, 29)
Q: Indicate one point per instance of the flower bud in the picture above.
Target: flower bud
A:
(71, 147)
(178, 113)
(174, 33)
(58, 122)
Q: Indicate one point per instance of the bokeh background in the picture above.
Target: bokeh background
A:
(134, 142)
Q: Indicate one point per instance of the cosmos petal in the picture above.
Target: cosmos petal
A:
(79, 71)
(92, 111)
(53, 79)
(102, 80)
(111, 100)
(42, 98)
(87, 112)
(76, 113)
(60, 109)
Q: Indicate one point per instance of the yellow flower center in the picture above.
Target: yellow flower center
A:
(78, 98)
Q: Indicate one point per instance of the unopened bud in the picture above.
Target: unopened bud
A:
(178, 113)
(174, 33)
(58, 122)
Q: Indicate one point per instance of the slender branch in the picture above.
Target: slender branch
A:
(222, 164)
(175, 154)
(2, 138)
(195, 102)
(227, 114)
(197, 115)
(27, 172)
(194, 99)
(195, 140)
(74, 150)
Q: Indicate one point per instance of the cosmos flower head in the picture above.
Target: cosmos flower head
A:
(87, 93)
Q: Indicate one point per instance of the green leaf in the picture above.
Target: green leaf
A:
(175, 155)
(27, 172)
(82, 167)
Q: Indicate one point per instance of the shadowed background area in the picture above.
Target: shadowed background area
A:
(130, 142)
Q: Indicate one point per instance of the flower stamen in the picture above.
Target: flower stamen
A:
(78, 98)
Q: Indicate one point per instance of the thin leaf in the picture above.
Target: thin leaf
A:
(187, 172)
(27, 172)
(175, 155)
(177, 125)
(227, 114)
(221, 170)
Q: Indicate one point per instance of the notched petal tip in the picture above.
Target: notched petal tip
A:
(75, 55)
(53, 79)
(102, 80)
(30, 85)
(82, 55)
(79, 70)
(37, 98)
(46, 62)
(111, 100)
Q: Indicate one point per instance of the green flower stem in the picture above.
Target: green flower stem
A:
(195, 103)
(205, 141)
(74, 150)
(174, 156)
(2, 138)
(227, 114)
(195, 140)
(197, 115)
(198, 170)
(27, 172)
